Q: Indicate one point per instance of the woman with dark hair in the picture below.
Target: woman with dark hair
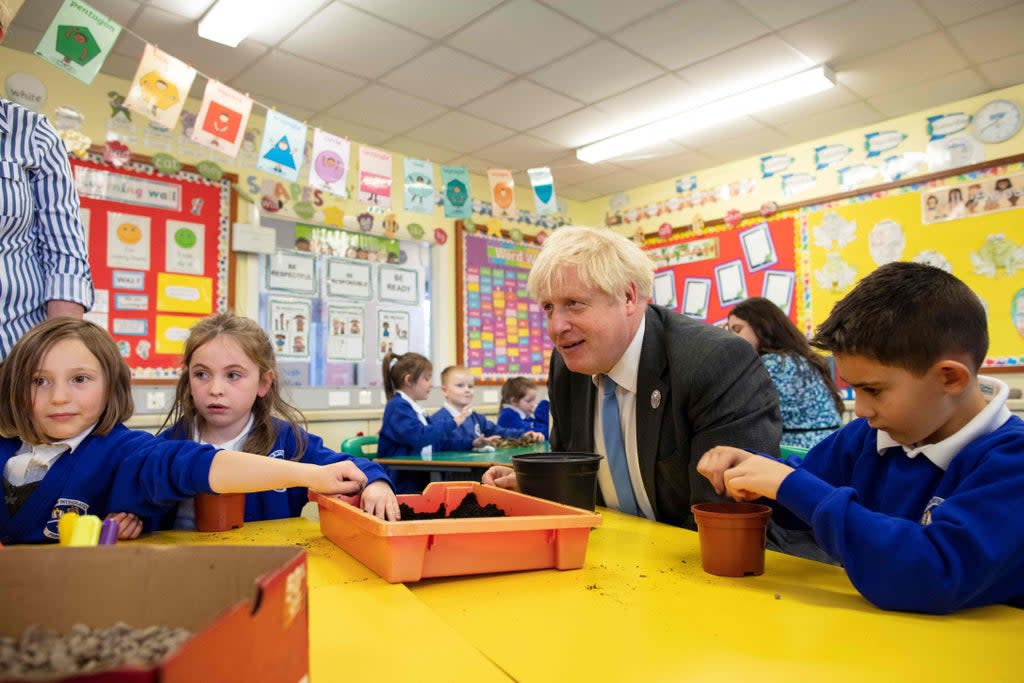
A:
(808, 398)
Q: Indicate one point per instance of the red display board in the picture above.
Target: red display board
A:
(158, 248)
(706, 274)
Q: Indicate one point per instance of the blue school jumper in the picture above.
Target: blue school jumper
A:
(282, 503)
(511, 418)
(402, 433)
(910, 535)
(460, 438)
(124, 471)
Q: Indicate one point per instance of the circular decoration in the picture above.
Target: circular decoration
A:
(769, 209)
(665, 230)
(542, 237)
(365, 220)
(166, 164)
(26, 90)
(516, 234)
(129, 233)
(440, 236)
(503, 195)
(210, 171)
(997, 121)
(415, 230)
(390, 226)
(733, 217)
(185, 238)
(116, 153)
(402, 256)
(304, 210)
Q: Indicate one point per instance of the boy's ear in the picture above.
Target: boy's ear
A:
(954, 375)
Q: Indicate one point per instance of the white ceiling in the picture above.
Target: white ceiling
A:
(522, 83)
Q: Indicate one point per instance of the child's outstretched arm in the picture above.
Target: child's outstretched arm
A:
(238, 472)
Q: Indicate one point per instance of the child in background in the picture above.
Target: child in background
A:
(404, 428)
(64, 393)
(476, 430)
(228, 395)
(921, 498)
(808, 398)
(518, 405)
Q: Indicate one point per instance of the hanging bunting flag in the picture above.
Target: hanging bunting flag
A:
(78, 40)
(283, 146)
(329, 170)
(374, 176)
(543, 190)
(419, 186)
(160, 86)
(503, 192)
(222, 118)
(455, 192)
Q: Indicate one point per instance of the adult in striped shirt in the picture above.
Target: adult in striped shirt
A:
(44, 269)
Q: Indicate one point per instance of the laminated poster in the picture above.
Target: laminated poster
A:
(543, 190)
(345, 325)
(222, 119)
(329, 170)
(392, 332)
(503, 193)
(160, 86)
(128, 241)
(374, 176)
(78, 40)
(419, 186)
(455, 192)
(283, 146)
(288, 324)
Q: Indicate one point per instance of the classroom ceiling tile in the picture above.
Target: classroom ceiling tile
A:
(614, 182)
(956, 86)
(576, 193)
(520, 153)
(294, 79)
(421, 150)
(607, 16)
(386, 109)
(727, 130)
(609, 69)
(288, 108)
(120, 66)
(520, 36)
(823, 101)
(691, 31)
(856, 29)
(472, 164)
(756, 144)
(352, 40)
(521, 105)
(762, 61)
(277, 24)
(649, 102)
(347, 129)
(193, 9)
(568, 170)
(669, 167)
(831, 122)
(992, 36)
(951, 12)
(577, 128)
(446, 76)
(903, 66)
(780, 13)
(436, 18)
(24, 38)
(1002, 73)
(38, 14)
(461, 132)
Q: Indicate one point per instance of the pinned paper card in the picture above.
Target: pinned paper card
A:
(128, 241)
(329, 170)
(78, 40)
(455, 192)
(171, 333)
(160, 86)
(503, 193)
(222, 118)
(374, 176)
(184, 293)
(543, 190)
(184, 247)
(419, 185)
(283, 146)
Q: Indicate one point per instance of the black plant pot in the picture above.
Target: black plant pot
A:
(568, 478)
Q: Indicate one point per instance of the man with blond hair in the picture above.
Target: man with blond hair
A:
(648, 388)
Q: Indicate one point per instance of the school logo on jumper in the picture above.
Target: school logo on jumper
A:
(63, 505)
(926, 517)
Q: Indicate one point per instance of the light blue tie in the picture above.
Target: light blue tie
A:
(616, 448)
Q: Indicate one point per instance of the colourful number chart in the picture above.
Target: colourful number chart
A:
(503, 332)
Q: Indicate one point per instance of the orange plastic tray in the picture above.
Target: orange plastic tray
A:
(536, 534)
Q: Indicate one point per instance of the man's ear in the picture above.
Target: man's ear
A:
(631, 297)
(954, 375)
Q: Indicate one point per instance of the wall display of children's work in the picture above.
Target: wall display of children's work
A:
(502, 332)
(972, 228)
(704, 275)
(158, 249)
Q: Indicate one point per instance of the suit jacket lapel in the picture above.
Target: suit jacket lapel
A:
(652, 400)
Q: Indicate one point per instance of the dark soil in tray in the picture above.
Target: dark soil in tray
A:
(469, 507)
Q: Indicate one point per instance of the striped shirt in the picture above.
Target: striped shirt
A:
(43, 255)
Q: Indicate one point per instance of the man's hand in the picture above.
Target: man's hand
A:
(756, 477)
(716, 461)
(500, 476)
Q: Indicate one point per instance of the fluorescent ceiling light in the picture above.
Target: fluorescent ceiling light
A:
(748, 102)
(229, 21)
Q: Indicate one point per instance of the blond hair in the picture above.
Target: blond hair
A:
(603, 259)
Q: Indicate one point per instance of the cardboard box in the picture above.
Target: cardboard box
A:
(535, 534)
(246, 606)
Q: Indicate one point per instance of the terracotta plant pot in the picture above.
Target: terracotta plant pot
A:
(220, 512)
(567, 478)
(732, 537)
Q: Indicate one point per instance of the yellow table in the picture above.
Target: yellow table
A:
(361, 628)
(642, 609)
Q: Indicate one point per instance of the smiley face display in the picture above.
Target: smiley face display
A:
(129, 233)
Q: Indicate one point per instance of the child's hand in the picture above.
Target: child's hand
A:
(379, 500)
(486, 441)
(128, 525)
(500, 476)
(534, 436)
(338, 477)
(756, 477)
(464, 415)
(716, 461)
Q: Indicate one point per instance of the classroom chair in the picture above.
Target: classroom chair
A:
(792, 455)
(360, 446)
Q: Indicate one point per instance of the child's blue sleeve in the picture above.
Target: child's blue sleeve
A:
(158, 473)
(402, 433)
(454, 437)
(491, 429)
(510, 419)
(319, 454)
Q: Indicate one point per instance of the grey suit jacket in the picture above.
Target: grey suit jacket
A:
(714, 391)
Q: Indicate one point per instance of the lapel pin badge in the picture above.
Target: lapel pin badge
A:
(655, 399)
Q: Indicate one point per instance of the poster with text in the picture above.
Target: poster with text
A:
(419, 186)
(222, 118)
(329, 170)
(392, 332)
(503, 193)
(345, 325)
(283, 146)
(128, 241)
(183, 251)
(78, 40)
(160, 86)
(374, 176)
(288, 325)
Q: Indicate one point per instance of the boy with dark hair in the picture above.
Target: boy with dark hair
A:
(921, 498)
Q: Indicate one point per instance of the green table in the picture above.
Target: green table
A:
(460, 461)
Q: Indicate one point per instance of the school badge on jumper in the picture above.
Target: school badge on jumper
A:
(655, 399)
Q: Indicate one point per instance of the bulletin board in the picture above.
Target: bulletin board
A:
(705, 275)
(983, 246)
(158, 249)
(502, 332)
